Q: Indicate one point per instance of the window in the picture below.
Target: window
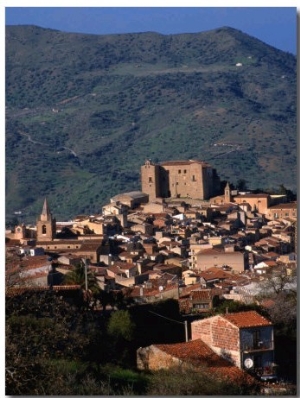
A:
(256, 338)
(201, 306)
(150, 179)
(257, 361)
(179, 171)
(193, 178)
(44, 229)
(184, 171)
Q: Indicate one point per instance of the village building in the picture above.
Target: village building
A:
(282, 210)
(195, 355)
(236, 260)
(179, 179)
(246, 339)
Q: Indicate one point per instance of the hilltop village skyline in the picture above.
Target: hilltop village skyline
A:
(181, 239)
(151, 223)
(192, 181)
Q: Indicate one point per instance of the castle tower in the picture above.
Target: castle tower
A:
(150, 180)
(46, 225)
(227, 194)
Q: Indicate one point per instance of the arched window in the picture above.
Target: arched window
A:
(44, 229)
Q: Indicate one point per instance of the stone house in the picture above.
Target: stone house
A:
(194, 355)
(283, 210)
(131, 199)
(92, 250)
(69, 259)
(144, 228)
(236, 260)
(244, 338)
(198, 301)
(258, 202)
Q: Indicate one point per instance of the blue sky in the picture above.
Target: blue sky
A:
(273, 25)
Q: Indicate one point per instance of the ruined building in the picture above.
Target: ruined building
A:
(179, 179)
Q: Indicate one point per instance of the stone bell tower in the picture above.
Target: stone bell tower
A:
(46, 224)
(227, 194)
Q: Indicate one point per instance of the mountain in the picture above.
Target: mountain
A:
(83, 112)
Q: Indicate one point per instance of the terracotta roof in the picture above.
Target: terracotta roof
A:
(253, 195)
(213, 273)
(292, 205)
(201, 295)
(14, 291)
(247, 319)
(198, 354)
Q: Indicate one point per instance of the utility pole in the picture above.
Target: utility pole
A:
(85, 274)
(186, 332)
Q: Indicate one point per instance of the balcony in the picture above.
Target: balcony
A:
(262, 345)
(267, 373)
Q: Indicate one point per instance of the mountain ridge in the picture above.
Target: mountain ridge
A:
(115, 100)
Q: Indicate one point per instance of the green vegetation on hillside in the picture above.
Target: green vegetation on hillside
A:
(83, 112)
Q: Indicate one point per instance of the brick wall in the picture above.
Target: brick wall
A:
(220, 335)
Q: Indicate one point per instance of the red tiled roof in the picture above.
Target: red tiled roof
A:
(14, 291)
(198, 354)
(201, 295)
(247, 319)
(253, 195)
(213, 273)
(291, 205)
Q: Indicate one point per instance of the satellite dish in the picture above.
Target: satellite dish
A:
(248, 363)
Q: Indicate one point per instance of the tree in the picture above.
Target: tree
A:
(79, 276)
(41, 327)
(278, 282)
(281, 289)
(241, 184)
(120, 325)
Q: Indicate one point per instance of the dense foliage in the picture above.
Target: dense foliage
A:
(54, 347)
(83, 112)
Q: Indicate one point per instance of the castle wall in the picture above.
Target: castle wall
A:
(179, 179)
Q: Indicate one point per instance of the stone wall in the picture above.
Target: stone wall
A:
(153, 358)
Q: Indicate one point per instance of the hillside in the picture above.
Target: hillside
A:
(83, 112)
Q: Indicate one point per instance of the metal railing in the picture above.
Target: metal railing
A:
(259, 345)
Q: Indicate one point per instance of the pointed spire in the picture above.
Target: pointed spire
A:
(46, 210)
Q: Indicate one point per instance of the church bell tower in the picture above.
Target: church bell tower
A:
(46, 224)
(227, 194)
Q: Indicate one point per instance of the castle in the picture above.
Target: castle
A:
(179, 179)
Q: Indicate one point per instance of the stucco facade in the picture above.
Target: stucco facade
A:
(237, 261)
